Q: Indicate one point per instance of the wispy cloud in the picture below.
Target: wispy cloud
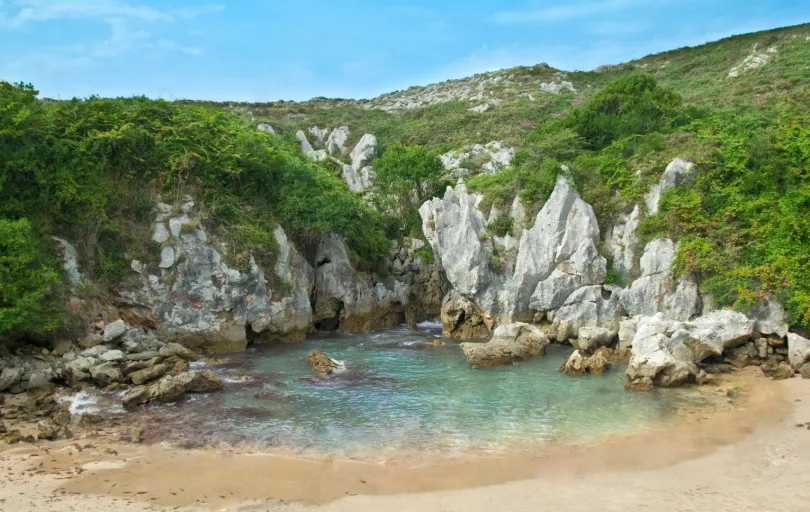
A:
(130, 27)
(564, 12)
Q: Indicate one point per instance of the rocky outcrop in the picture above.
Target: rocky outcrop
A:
(509, 343)
(336, 142)
(489, 159)
(172, 388)
(656, 291)
(676, 173)
(322, 365)
(202, 302)
(353, 301)
(308, 150)
(557, 87)
(70, 260)
(661, 355)
(266, 128)
(582, 363)
(557, 271)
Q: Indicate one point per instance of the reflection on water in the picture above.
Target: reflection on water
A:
(398, 393)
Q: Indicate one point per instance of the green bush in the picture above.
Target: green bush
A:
(31, 288)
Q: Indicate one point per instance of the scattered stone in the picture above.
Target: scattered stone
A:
(105, 374)
(511, 342)
(10, 377)
(62, 347)
(90, 418)
(91, 340)
(133, 435)
(642, 384)
(145, 375)
(321, 364)
(112, 356)
(47, 429)
(135, 397)
(175, 349)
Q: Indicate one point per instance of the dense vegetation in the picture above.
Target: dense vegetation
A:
(89, 171)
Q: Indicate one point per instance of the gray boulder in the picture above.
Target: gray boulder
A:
(591, 338)
(798, 350)
(509, 343)
(769, 318)
(173, 387)
(175, 349)
(660, 354)
(712, 334)
(10, 377)
(266, 128)
(105, 374)
(114, 330)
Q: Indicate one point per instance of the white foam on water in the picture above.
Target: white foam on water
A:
(429, 325)
(196, 364)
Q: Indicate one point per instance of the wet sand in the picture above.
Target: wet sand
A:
(749, 457)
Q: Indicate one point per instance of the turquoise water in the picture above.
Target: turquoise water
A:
(399, 394)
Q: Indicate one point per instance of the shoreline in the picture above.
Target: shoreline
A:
(213, 479)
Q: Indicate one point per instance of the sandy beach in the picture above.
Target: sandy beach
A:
(750, 457)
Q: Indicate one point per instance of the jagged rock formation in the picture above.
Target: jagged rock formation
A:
(509, 343)
(489, 158)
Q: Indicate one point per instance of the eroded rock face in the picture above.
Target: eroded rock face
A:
(204, 304)
(489, 158)
(590, 306)
(509, 343)
(462, 319)
(352, 301)
(656, 291)
(589, 339)
(336, 143)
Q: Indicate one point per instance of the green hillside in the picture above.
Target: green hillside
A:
(90, 170)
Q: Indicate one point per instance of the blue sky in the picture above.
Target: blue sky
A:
(252, 50)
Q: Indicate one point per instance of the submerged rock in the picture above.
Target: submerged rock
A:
(321, 364)
(581, 363)
(509, 343)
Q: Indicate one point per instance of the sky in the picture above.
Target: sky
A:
(266, 50)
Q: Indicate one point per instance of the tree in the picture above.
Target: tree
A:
(30, 285)
(406, 177)
(631, 105)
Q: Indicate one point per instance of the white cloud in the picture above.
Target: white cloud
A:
(130, 27)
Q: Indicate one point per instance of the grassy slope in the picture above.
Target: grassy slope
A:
(699, 73)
